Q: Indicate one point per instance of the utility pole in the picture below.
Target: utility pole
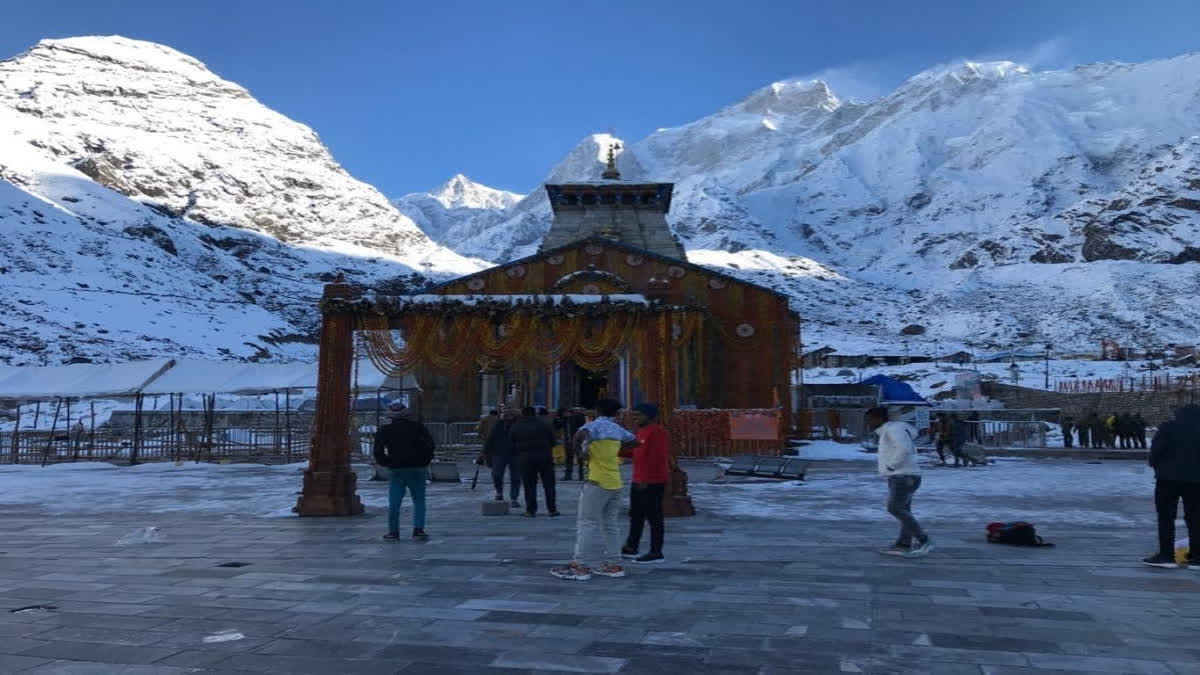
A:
(1048, 347)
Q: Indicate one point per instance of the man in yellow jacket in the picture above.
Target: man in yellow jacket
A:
(599, 520)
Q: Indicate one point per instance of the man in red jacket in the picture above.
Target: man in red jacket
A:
(651, 471)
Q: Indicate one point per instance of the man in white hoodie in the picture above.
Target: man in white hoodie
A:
(898, 463)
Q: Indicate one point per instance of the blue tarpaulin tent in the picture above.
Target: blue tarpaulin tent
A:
(895, 392)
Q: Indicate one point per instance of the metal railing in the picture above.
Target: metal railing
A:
(1002, 434)
(233, 444)
(838, 424)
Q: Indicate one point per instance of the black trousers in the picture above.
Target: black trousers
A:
(646, 504)
(1167, 495)
(533, 468)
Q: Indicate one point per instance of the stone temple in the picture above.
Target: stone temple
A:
(634, 214)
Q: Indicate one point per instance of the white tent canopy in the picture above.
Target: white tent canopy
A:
(170, 376)
(80, 380)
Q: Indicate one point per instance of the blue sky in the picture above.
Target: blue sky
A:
(406, 94)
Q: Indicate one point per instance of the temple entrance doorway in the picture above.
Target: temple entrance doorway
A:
(592, 386)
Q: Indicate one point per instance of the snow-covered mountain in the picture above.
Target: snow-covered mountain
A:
(985, 202)
(457, 200)
(148, 207)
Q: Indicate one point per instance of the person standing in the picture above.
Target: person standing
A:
(1083, 428)
(486, 424)
(533, 444)
(405, 447)
(651, 472)
(1175, 457)
(574, 421)
(1139, 430)
(1097, 424)
(601, 442)
(959, 432)
(1068, 426)
(898, 463)
(1110, 431)
(498, 454)
(543, 416)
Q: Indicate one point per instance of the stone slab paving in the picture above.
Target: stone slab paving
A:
(741, 594)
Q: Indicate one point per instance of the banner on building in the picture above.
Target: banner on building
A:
(753, 427)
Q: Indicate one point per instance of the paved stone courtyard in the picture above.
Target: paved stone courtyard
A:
(741, 593)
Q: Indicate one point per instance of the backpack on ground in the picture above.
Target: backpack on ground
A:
(1017, 533)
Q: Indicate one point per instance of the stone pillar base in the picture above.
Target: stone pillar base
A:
(678, 507)
(677, 503)
(329, 493)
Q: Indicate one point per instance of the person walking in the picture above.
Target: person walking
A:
(898, 463)
(1110, 431)
(651, 472)
(941, 437)
(498, 454)
(533, 445)
(601, 442)
(1068, 426)
(405, 448)
(1175, 457)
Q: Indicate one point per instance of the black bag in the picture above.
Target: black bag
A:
(1017, 533)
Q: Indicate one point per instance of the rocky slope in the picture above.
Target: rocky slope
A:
(149, 207)
(986, 202)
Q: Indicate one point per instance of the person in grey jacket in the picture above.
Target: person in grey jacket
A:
(1175, 456)
(898, 463)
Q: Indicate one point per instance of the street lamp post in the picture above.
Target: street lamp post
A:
(1048, 347)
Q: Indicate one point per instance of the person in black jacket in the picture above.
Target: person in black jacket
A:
(405, 447)
(1175, 456)
(498, 454)
(533, 443)
(1139, 431)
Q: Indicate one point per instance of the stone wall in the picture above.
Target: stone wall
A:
(1155, 406)
(642, 228)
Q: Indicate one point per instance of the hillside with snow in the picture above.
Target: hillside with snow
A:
(148, 207)
(987, 203)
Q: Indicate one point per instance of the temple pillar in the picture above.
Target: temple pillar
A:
(663, 391)
(330, 486)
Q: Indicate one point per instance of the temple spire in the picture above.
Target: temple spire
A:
(610, 171)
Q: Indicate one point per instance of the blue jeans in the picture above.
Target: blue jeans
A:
(414, 481)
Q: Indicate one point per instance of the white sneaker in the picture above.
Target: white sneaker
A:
(921, 550)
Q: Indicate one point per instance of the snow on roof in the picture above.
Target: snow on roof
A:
(170, 376)
(196, 376)
(81, 380)
(575, 298)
